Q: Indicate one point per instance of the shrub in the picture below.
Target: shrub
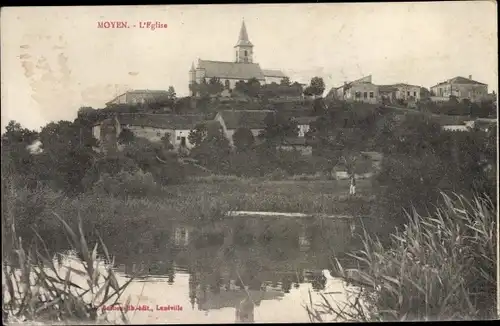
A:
(125, 184)
(441, 267)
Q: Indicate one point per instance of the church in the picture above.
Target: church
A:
(242, 68)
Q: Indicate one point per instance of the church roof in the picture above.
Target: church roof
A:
(251, 119)
(232, 70)
(273, 73)
(243, 38)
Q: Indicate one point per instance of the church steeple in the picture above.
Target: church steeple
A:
(243, 39)
(244, 48)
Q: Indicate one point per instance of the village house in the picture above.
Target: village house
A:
(138, 97)
(461, 87)
(231, 120)
(399, 91)
(361, 90)
(154, 127)
(242, 68)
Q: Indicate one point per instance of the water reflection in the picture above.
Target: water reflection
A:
(241, 263)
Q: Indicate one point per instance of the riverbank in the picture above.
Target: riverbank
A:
(122, 217)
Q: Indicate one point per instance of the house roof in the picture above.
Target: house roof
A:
(162, 121)
(231, 70)
(273, 73)
(251, 119)
(387, 88)
(305, 120)
(149, 92)
(394, 87)
(459, 80)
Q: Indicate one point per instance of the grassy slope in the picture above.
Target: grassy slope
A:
(318, 196)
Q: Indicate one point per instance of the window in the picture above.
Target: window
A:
(246, 53)
(158, 134)
(357, 94)
(227, 83)
(415, 94)
(178, 138)
(183, 141)
(365, 95)
(408, 93)
(371, 94)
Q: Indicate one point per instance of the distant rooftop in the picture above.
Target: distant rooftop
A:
(459, 80)
(251, 119)
(161, 121)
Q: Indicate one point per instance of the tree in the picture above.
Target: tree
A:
(278, 127)
(67, 152)
(126, 136)
(214, 150)
(285, 81)
(171, 93)
(316, 87)
(198, 134)
(253, 87)
(215, 86)
(241, 87)
(243, 139)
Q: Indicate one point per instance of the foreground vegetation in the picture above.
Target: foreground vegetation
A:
(441, 267)
(36, 286)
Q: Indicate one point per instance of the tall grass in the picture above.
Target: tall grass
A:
(36, 287)
(441, 267)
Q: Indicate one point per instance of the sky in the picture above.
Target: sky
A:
(55, 60)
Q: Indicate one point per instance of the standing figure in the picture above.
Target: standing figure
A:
(352, 188)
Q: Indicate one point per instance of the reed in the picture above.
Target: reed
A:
(37, 287)
(441, 267)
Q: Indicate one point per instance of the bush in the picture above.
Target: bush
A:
(127, 184)
(441, 267)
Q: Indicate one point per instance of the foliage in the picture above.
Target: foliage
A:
(441, 267)
(127, 184)
(214, 150)
(418, 153)
(285, 81)
(198, 134)
(316, 87)
(243, 139)
(278, 127)
(157, 160)
(126, 136)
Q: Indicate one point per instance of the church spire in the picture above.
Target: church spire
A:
(192, 67)
(243, 38)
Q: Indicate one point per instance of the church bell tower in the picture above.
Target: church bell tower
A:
(244, 48)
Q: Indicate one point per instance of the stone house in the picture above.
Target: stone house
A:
(304, 124)
(361, 90)
(153, 127)
(461, 87)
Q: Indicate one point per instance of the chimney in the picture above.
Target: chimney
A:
(470, 76)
